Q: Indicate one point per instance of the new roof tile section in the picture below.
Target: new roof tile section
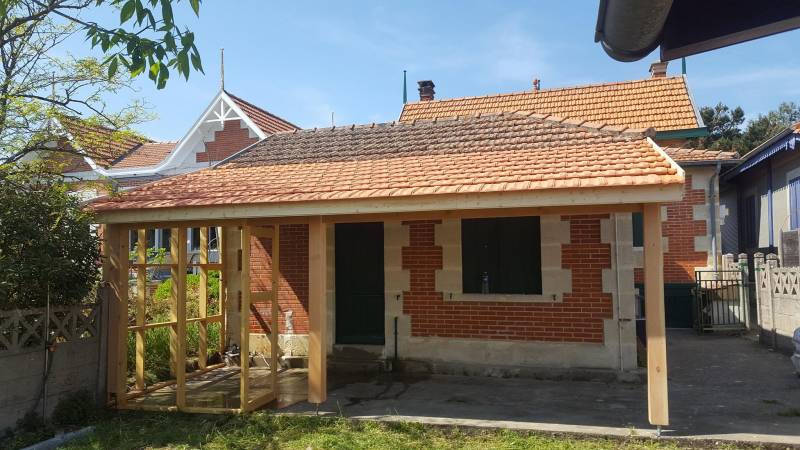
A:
(680, 155)
(496, 153)
(104, 145)
(265, 120)
(661, 103)
(147, 154)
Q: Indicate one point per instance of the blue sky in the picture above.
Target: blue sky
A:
(302, 60)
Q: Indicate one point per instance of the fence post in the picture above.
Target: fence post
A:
(772, 264)
(727, 264)
(744, 297)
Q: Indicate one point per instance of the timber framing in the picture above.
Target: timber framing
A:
(235, 235)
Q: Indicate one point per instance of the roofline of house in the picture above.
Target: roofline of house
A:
(734, 171)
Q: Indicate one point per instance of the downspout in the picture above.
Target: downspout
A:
(769, 205)
(712, 206)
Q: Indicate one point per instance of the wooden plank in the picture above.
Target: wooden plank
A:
(223, 286)
(202, 357)
(183, 223)
(244, 323)
(275, 326)
(122, 317)
(178, 249)
(211, 410)
(167, 383)
(657, 393)
(317, 311)
(141, 292)
(112, 276)
(152, 408)
(264, 399)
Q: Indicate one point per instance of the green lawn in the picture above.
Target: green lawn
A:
(135, 430)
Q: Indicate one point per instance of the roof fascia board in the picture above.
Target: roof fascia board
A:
(543, 198)
(247, 120)
(679, 134)
(697, 115)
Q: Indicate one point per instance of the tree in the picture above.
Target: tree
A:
(37, 86)
(725, 126)
(47, 247)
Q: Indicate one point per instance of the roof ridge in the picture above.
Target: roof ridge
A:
(555, 89)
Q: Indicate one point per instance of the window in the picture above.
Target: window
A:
(794, 203)
(194, 240)
(638, 229)
(501, 256)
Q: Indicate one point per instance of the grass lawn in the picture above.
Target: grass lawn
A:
(135, 430)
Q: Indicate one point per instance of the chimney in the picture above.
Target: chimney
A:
(658, 69)
(426, 90)
(535, 84)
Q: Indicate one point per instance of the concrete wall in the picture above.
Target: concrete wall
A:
(78, 363)
(778, 302)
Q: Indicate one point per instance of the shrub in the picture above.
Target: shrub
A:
(47, 245)
(74, 410)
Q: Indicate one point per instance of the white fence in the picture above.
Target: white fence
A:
(777, 292)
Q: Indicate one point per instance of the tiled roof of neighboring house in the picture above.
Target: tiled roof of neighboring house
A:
(268, 122)
(103, 145)
(147, 154)
(661, 103)
(491, 153)
(699, 154)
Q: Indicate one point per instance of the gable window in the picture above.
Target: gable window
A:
(794, 203)
(501, 256)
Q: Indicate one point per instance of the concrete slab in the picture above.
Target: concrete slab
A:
(721, 388)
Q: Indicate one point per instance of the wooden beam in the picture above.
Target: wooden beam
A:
(275, 326)
(223, 289)
(317, 312)
(202, 357)
(178, 313)
(141, 292)
(657, 394)
(115, 273)
(244, 324)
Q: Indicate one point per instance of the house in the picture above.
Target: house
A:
(691, 226)
(482, 243)
(763, 194)
(97, 158)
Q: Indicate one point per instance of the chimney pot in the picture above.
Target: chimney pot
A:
(535, 84)
(658, 69)
(426, 91)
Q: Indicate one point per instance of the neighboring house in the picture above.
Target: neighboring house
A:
(763, 194)
(691, 226)
(498, 244)
(108, 159)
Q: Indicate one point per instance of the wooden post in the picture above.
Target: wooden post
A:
(178, 312)
(141, 292)
(244, 324)
(657, 401)
(223, 287)
(317, 312)
(115, 273)
(203, 301)
(275, 328)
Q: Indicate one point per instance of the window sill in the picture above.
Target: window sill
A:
(506, 298)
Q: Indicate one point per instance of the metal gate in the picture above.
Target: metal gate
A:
(721, 299)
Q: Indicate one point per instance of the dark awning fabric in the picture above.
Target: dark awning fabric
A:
(785, 143)
(630, 29)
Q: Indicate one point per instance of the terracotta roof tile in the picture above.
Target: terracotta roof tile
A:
(265, 120)
(486, 154)
(147, 154)
(699, 154)
(103, 145)
(660, 103)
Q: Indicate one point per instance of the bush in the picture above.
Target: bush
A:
(74, 410)
(47, 245)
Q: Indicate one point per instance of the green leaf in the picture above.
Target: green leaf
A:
(166, 11)
(196, 63)
(183, 64)
(127, 11)
(112, 68)
(163, 76)
(195, 6)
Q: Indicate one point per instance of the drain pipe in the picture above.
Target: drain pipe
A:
(712, 213)
(394, 362)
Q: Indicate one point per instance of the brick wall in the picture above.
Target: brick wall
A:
(293, 288)
(680, 229)
(227, 141)
(579, 318)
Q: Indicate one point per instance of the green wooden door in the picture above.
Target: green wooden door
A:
(359, 283)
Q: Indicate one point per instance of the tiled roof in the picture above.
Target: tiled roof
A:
(268, 123)
(661, 103)
(494, 153)
(103, 145)
(699, 154)
(147, 154)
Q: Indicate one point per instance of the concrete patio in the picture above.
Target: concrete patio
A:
(721, 387)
